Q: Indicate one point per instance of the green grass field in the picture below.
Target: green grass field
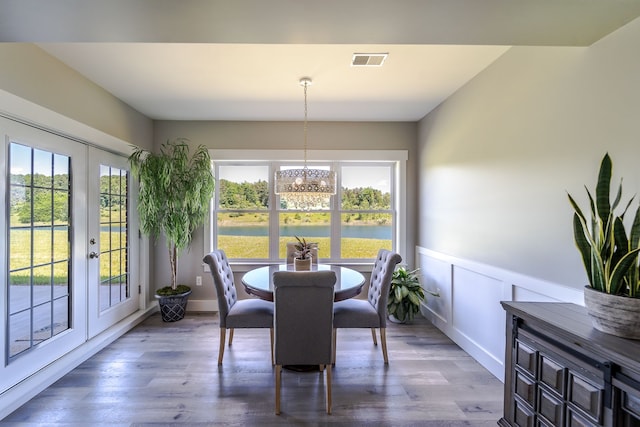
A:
(234, 246)
(47, 255)
(258, 247)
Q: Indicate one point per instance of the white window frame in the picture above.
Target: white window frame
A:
(334, 157)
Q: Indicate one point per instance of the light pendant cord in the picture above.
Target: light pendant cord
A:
(305, 123)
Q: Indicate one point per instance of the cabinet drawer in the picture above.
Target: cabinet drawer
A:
(522, 414)
(576, 420)
(525, 357)
(552, 373)
(629, 404)
(585, 395)
(550, 407)
(525, 387)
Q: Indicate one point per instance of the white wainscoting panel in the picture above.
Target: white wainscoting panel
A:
(435, 275)
(473, 319)
(468, 310)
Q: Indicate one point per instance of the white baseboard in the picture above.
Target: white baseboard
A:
(202, 305)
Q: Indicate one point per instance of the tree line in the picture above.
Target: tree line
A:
(247, 195)
(50, 196)
(51, 200)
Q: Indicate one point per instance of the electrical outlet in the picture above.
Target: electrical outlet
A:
(198, 280)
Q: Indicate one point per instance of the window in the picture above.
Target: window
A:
(366, 214)
(251, 224)
(242, 210)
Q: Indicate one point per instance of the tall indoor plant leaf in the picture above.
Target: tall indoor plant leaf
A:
(609, 253)
(175, 190)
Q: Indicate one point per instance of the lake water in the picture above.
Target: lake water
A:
(383, 232)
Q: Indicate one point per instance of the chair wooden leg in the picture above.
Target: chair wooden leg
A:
(278, 380)
(272, 356)
(223, 333)
(230, 336)
(333, 358)
(373, 334)
(328, 386)
(383, 339)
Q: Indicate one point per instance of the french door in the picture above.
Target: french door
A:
(112, 249)
(66, 247)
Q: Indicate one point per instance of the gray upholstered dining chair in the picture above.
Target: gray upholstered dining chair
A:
(235, 313)
(303, 323)
(372, 312)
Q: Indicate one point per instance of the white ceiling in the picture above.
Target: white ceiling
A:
(242, 59)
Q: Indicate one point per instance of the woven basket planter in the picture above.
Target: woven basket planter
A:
(613, 314)
(174, 307)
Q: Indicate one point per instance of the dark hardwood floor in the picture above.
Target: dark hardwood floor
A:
(163, 374)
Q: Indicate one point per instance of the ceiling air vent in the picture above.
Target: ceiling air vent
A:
(368, 59)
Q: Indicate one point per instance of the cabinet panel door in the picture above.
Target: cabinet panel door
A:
(525, 357)
(523, 416)
(586, 396)
(552, 374)
(550, 407)
(576, 420)
(525, 387)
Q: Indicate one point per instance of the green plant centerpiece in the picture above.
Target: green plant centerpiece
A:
(610, 256)
(303, 248)
(174, 196)
(303, 254)
(406, 295)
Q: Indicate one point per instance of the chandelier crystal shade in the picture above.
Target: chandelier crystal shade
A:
(305, 188)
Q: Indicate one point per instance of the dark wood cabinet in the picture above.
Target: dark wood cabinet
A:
(560, 371)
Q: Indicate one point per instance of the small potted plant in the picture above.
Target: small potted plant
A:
(302, 256)
(175, 191)
(610, 256)
(405, 295)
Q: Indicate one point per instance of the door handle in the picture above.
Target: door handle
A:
(93, 255)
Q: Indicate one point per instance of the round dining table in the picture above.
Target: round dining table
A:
(259, 282)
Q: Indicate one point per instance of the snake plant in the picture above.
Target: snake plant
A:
(405, 294)
(303, 248)
(609, 253)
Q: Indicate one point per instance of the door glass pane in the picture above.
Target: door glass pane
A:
(114, 276)
(39, 247)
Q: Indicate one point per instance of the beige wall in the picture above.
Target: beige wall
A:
(282, 135)
(497, 159)
(33, 75)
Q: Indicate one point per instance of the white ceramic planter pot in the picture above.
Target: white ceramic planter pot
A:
(302, 264)
(394, 319)
(613, 314)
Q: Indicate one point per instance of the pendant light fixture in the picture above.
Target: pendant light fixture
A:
(305, 188)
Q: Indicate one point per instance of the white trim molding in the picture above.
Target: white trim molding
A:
(312, 155)
(468, 310)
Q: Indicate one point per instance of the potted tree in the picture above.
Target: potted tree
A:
(610, 256)
(302, 256)
(175, 191)
(405, 295)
